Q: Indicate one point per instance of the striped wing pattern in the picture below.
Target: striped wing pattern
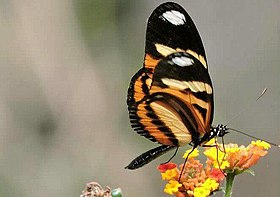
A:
(170, 99)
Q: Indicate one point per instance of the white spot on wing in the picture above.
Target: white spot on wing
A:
(182, 61)
(197, 56)
(174, 17)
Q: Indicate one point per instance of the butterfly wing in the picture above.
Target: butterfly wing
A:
(178, 107)
(164, 106)
(186, 84)
(170, 29)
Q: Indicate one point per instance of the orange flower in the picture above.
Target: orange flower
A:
(236, 157)
(216, 174)
(193, 175)
(241, 158)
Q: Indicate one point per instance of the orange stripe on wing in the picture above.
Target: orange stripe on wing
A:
(150, 63)
(151, 128)
(204, 122)
(139, 92)
(188, 98)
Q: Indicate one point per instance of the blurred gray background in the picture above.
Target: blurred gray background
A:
(64, 71)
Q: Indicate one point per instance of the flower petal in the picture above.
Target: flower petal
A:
(172, 187)
(166, 166)
(190, 154)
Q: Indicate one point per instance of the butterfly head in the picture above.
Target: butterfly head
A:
(218, 131)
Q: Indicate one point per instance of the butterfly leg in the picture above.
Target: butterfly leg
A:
(224, 151)
(224, 148)
(182, 170)
(172, 155)
(217, 152)
(216, 145)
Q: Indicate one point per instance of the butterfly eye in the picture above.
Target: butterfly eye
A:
(182, 61)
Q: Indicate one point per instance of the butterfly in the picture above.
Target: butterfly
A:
(170, 99)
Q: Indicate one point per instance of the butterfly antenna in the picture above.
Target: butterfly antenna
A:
(246, 108)
(248, 135)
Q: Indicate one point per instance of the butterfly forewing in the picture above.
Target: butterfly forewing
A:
(171, 29)
(139, 87)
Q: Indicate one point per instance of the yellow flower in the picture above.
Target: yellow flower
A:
(223, 165)
(210, 184)
(194, 154)
(211, 142)
(211, 153)
(217, 157)
(172, 187)
(169, 174)
(262, 144)
(201, 192)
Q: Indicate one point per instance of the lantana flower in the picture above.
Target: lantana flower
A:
(202, 180)
(195, 180)
(236, 158)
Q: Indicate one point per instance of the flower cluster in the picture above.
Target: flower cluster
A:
(195, 180)
(233, 158)
(198, 180)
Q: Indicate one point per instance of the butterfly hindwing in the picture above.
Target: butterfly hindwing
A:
(178, 106)
(181, 75)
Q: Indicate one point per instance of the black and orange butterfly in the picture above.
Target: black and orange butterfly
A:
(170, 99)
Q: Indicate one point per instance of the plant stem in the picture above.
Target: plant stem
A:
(229, 184)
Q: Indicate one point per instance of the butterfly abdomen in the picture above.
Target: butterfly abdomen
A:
(148, 156)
